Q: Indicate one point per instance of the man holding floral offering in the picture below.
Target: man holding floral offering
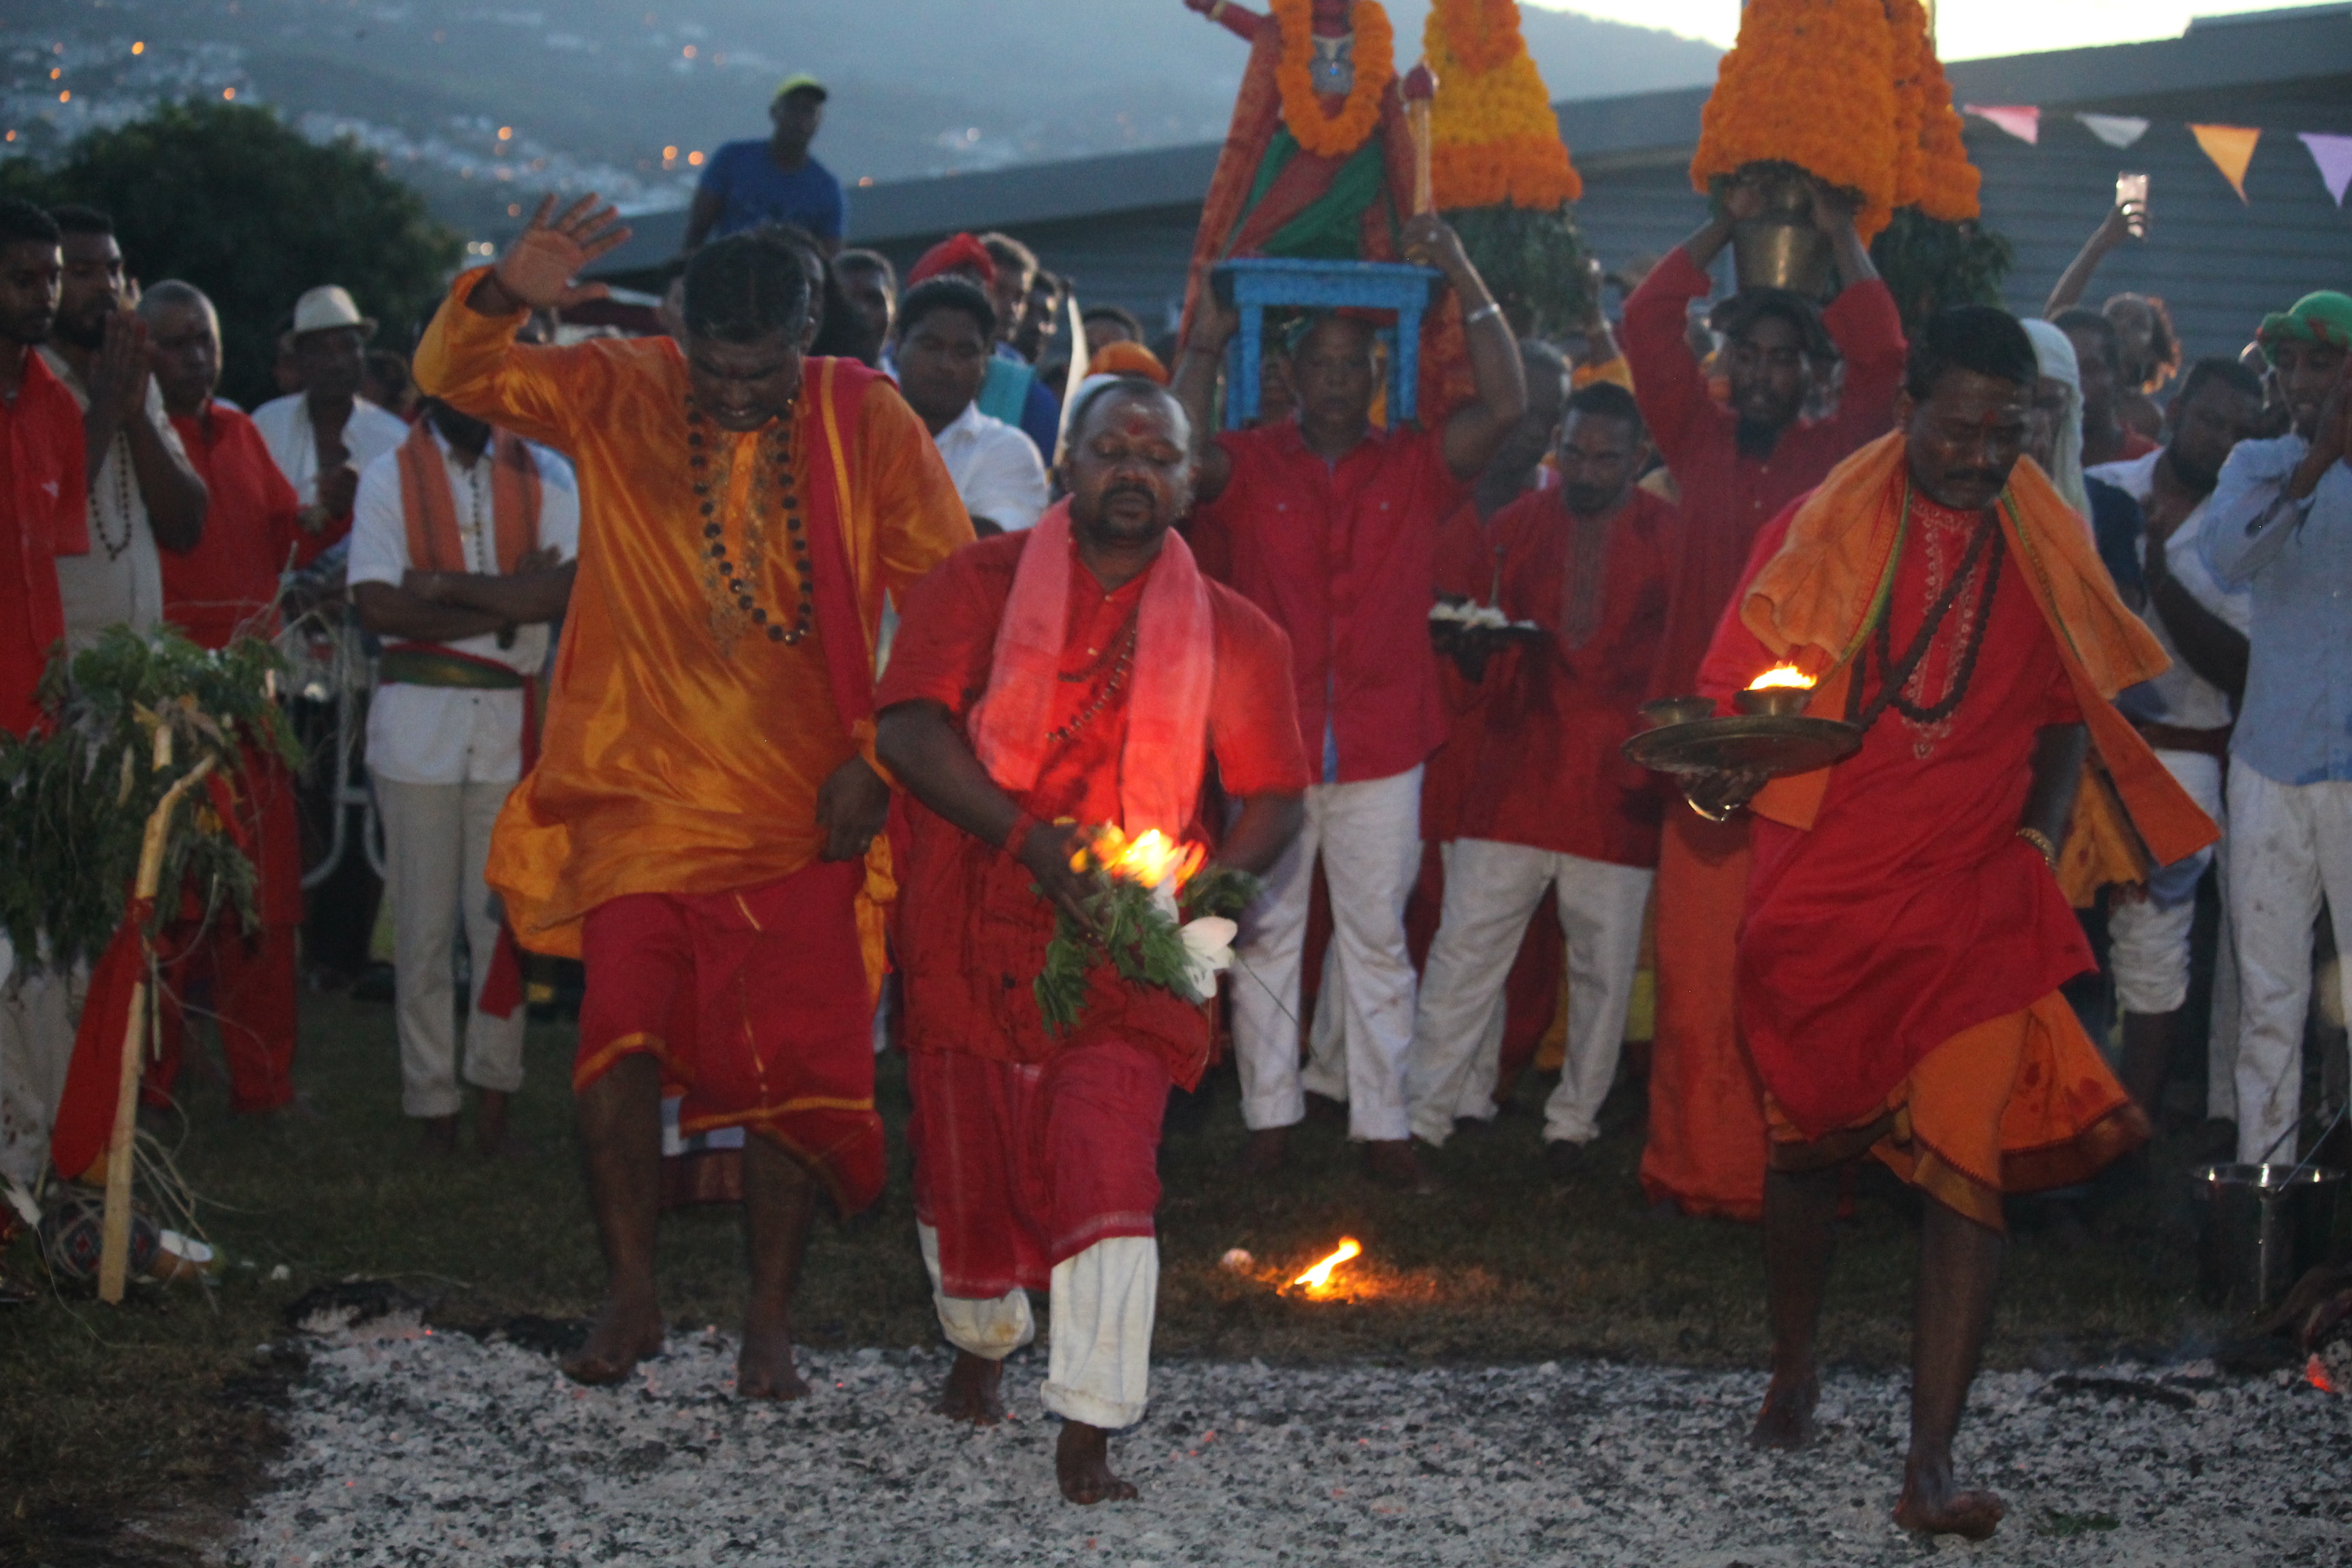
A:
(1051, 695)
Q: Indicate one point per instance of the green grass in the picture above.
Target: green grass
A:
(130, 1435)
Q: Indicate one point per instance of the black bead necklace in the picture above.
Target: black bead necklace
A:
(1894, 675)
(732, 587)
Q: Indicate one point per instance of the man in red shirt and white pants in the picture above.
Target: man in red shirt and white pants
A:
(1551, 801)
(1330, 525)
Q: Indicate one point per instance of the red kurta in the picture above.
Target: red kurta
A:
(1549, 771)
(1911, 910)
(229, 583)
(1343, 557)
(43, 509)
(1725, 497)
(974, 934)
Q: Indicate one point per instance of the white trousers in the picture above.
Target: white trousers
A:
(38, 1014)
(2290, 848)
(2149, 937)
(1102, 1301)
(1491, 891)
(1368, 836)
(437, 840)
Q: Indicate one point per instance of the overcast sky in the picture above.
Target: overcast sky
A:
(1965, 29)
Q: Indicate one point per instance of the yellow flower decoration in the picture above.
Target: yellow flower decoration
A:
(1494, 139)
(1333, 135)
(1809, 82)
(1932, 171)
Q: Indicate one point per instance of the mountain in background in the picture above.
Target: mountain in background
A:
(482, 105)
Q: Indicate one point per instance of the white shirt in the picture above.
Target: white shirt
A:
(446, 734)
(2180, 696)
(293, 441)
(120, 581)
(996, 469)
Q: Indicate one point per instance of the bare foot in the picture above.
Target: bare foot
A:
(440, 1134)
(1082, 1464)
(1786, 1422)
(1267, 1149)
(627, 1331)
(1931, 1504)
(493, 1138)
(974, 1391)
(1392, 1164)
(764, 1369)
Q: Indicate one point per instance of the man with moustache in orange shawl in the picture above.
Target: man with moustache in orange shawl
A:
(1898, 969)
(702, 826)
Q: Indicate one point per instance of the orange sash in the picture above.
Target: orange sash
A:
(1817, 600)
(430, 506)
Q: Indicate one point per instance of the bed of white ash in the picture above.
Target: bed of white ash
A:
(441, 1448)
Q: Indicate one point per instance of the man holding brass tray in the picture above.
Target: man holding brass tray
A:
(1934, 625)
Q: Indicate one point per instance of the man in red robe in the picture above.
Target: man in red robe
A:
(227, 587)
(1906, 936)
(1042, 684)
(701, 826)
(43, 506)
(1552, 805)
(1734, 467)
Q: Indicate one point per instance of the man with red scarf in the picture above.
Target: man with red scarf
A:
(701, 827)
(1906, 935)
(1043, 684)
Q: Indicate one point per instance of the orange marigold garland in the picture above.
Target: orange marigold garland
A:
(1811, 84)
(1494, 139)
(1374, 58)
(1932, 171)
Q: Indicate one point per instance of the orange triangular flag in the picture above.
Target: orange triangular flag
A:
(2231, 148)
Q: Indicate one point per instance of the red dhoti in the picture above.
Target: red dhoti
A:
(754, 1002)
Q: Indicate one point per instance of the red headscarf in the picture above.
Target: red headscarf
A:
(957, 253)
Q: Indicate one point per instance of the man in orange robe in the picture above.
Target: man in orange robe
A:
(702, 824)
(1906, 936)
(1042, 684)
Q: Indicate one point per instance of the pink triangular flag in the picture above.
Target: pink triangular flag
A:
(2333, 156)
(2022, 120)
(2231, 148)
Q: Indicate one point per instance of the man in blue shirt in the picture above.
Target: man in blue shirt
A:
(747, 183)
(2281, 525)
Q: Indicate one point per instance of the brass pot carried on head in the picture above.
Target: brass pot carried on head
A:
(1780, 248)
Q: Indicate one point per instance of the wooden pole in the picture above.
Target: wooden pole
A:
(114, 1255)
(1416, 114)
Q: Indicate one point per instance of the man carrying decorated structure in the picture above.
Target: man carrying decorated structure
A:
(1042, 685)
(701, 824)
(1905, 938)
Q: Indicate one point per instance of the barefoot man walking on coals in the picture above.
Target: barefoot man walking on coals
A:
(701, 827)
(1898, 970)
(1045, 684)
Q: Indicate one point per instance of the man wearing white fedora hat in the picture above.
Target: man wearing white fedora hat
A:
(323, 436)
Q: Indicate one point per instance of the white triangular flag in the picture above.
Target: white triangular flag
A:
(2115, 130)
(2333, 156)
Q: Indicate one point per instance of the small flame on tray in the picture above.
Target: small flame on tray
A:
(1782, 675)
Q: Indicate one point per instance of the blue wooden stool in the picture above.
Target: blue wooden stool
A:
(1253, 285)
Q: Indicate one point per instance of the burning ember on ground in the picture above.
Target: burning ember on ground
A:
(1317, 1280)
(1150, 859)
(1779, 677)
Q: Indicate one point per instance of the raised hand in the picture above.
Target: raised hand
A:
(1430, 241)
(119, 386)
(538, 268)
(1833, 209)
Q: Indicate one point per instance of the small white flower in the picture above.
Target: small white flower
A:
(1208, 952)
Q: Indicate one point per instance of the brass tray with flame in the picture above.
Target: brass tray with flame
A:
(1775, 741)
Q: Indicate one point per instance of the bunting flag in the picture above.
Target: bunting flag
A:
(2231, 148)
(2333, 156)
(2115, 130)
(2020, 120)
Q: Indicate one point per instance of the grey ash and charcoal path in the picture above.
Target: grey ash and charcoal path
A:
(446, 1449)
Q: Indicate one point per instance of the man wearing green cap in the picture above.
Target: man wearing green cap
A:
(747, 183)
(2281, 525)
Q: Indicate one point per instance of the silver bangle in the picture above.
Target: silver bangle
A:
(1480, 314)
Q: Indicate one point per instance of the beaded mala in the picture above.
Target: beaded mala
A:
(731, 587)
(119, 460)
(1895, 675)
(1120, 655)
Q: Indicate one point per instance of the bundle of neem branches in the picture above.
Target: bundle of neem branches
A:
(1143, 934)
(75, 795)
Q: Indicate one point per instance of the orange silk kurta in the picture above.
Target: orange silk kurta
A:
(672, 763)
